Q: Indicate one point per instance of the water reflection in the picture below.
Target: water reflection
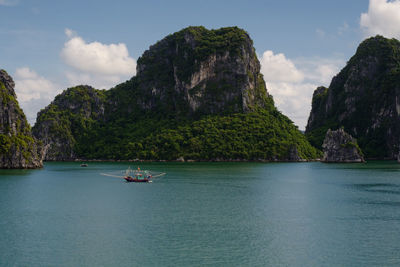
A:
(384, 188)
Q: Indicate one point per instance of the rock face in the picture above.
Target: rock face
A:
(18, 148)
(364, 98)
(339, 146)
(197, 71)
(61, 123)
(294, 154)
(198, 95)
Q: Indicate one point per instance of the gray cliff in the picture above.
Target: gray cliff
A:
(62, 122)
(189, 77)
(364, 98)
(197, 71)
(18, 148)
(339, 146)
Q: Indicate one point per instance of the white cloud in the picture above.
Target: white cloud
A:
(383, 17)
(70, 33)
(292, 82)
(319, 70)
(277, 67)
(95, 80)
(33, 91)
(95, 63)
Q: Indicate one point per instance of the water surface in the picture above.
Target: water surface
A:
(202, 214)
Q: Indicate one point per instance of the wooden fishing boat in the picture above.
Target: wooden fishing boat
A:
(136, 176)
(130, 179)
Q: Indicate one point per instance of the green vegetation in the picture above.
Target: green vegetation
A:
(4, 95)
(171, 62)
(316, 136)
(74, 111)
(19, 142)
(151, 116)
(320, 97)
(71, 115)
(364, 88)
(264, 134)
(202, 43)
(18, 137)
(250, 136)
(355, 145)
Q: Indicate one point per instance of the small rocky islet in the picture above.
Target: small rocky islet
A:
(340, 146)
(199, 95)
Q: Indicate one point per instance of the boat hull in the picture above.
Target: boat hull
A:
(135, 180)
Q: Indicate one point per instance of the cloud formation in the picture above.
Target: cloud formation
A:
(34, 92)
(383, 17)
(97, 64)
(292, 82)
(278, 67)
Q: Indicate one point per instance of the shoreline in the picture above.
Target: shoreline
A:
(180, 160)
(204, 161)
(218, 160)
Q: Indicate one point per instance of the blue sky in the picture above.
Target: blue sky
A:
(48, 46)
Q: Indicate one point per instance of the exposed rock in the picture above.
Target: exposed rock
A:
(197, 93)
(339, 146)
(180, 159)
(294, 154)
(200, 71)
(318, 103)
(364, 98)
(64, 120)
(18, 148)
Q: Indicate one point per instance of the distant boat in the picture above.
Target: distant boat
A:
(136, 176)
(84, 165)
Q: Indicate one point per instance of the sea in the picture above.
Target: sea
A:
(202, 214)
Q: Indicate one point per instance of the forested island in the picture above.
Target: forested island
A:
(364, 99)
(199, 95)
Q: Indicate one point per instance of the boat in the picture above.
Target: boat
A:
(84, 165)
(136, 176)
(130, 179)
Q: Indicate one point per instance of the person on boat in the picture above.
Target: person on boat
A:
(147, 175)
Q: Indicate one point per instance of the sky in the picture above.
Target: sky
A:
(48, 46)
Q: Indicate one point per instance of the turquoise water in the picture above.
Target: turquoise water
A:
(202, 214)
